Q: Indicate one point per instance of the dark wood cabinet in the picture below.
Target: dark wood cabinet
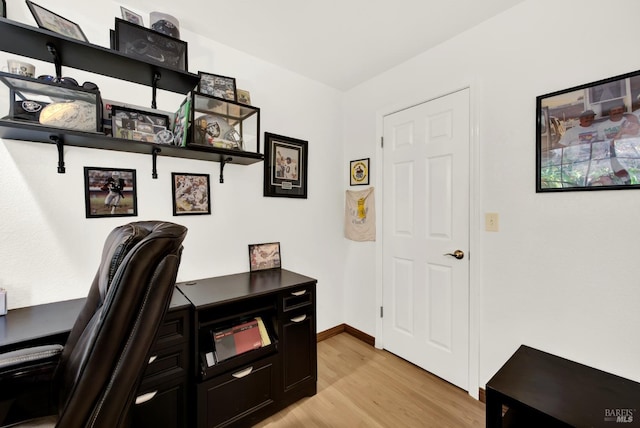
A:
(249, 387)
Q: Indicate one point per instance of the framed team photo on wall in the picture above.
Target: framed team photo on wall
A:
(588, 136)
(191, 193)
(285, 166)
(110, 192)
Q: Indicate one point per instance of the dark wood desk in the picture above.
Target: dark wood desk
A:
(544, 390)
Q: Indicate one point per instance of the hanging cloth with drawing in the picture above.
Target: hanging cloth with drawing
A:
(360, 215)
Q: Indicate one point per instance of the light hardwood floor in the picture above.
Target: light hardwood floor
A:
(360, 386)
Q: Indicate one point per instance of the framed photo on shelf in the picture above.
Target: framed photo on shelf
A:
(53, 22)
(243, 96)
(138, 125)
(588, 136)
(130, 16)
(359, 172)
(110, 192)
(264, 256)
(149, 45)
(191, 193)
(217, 86)
(285, 166)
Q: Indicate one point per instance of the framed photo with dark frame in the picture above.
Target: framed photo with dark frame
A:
(191, 193)
(149, 45)
(217, 86)
(131, 16)
(3, 6)
(359, 172)
(264, 256)
(110, 192)
(588, 136)
(285, 166)
(54, 22)
(139, 125)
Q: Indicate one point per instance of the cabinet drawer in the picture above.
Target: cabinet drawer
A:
(173, 329)
(233, 396)
(297, 298)
(168, 361)
(161, 404)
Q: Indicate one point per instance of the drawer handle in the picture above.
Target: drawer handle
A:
(299, 319)
(243, 373)
(145, 397)
(298, 293)
(152, 359)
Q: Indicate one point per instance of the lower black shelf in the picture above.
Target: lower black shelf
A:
(32, 132)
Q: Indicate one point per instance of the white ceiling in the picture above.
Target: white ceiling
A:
(337, 42)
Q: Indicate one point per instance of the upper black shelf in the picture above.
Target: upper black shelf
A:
(25, 40)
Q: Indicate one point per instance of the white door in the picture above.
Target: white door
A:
(425, 217)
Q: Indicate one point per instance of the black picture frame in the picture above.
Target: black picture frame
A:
(191, 193)
(285, 166)
(53, 22)
(3, 6)
(588, 136)
(264, 256)
(149, 45)
(217, 86)
(359, 172)
(110, 192)
(140, 125)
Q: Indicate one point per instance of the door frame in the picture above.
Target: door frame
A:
(475, 262)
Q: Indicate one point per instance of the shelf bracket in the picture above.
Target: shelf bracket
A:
(154, 88)
(154, 161)
(60, 144)
(223, 162)
(57, 61)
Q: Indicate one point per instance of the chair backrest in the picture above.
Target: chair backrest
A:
(104, 358)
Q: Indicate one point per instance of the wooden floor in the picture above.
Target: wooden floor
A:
(360, 386)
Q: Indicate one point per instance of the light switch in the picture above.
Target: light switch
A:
(491, 222)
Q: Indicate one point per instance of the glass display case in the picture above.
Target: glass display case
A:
(223, 124)
(49, 103)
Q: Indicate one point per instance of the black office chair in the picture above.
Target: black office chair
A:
(94, 377)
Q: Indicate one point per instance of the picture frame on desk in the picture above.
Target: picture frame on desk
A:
(264, 256)
(54, 22)
(110, 192)
(191, 193)
(149, 45)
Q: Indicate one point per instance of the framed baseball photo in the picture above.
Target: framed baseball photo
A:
(56, 23)
(285, 166)
(191, 193)
(110, 192)
(264, 256)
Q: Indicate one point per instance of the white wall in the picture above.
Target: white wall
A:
(561, 275)
(50, 251)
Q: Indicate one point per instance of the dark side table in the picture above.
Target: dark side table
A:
(544, 390)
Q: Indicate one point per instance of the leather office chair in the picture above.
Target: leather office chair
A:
(94, 377)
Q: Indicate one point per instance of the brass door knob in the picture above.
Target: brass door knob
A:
(457, 254)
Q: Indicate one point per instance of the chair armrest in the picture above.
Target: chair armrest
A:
(29, 360)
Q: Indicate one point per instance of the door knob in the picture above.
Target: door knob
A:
(457, 254)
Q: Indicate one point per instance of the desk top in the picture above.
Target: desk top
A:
(572, 393)
(222, 289)
(48, 323)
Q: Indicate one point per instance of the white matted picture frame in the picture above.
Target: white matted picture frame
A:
(264, 256)
(131, 16)
(359, 172)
